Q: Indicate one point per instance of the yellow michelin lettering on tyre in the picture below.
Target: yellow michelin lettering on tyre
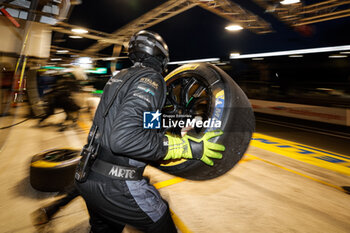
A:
(220, 94)
(183, 68)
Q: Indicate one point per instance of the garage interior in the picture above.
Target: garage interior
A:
(294, 177)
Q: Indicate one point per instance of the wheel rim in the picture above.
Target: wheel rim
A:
(59, 155)
(188, 94)
(55, 158)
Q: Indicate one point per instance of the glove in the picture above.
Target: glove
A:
(193, 148)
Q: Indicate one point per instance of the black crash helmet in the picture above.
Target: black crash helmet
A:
(146, 43)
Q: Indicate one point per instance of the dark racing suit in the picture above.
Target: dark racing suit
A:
(112, 203)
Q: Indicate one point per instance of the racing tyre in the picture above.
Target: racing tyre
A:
(204, 90)
(53, 170)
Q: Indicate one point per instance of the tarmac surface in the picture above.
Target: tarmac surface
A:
(279, 186)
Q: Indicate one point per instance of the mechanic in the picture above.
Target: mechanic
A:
(60, 96)
(115, 191)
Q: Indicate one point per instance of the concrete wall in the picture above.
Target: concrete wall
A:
(12, 38)
(340, 116)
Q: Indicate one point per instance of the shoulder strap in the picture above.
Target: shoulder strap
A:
(125, 79)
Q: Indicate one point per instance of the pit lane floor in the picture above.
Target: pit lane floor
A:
(279, 186)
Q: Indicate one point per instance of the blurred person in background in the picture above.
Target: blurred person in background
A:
(60, 96)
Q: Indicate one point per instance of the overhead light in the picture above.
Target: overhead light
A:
(345, 52)
(337, 56)
(257, 58)
(75, 37)
(288, 2)
(84, 60)
(215, 61)
(324, 89)
(194, 61)
(62, 51)
(80, 30)
(234, 54)
(294, 52)
(234, 28)
(109, 59)
(296, 55)
(56, 59)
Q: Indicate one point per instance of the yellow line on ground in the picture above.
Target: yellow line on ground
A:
(304, 153)
(245, 159)
(298, 173)
(179, 223)
(82, 124)
(297, 143)
(166, 183)
(176, 180)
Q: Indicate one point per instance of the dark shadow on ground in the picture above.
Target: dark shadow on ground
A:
(46, 228)
(23, 188)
